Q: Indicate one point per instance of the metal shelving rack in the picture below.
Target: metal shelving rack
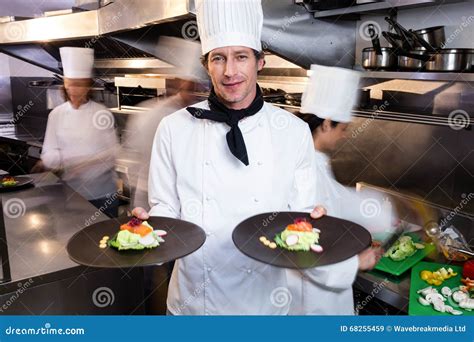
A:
(382, 6)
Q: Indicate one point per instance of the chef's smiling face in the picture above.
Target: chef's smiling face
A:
(233, 72)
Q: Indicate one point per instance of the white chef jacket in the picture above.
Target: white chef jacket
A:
(80, 135)
(194, 177)
(324, 291)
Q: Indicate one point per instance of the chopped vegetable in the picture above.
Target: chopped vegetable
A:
(135, 234)
(403, 248)
(437, 277)
(430, 296)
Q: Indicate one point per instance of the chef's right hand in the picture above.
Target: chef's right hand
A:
(140, 213)
(369, 258)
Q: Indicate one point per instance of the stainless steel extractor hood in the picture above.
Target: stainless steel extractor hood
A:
(37, 41)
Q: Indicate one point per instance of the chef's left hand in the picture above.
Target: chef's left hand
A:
(318, 212)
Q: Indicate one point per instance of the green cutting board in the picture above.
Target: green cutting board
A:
(414, 307)
(387, 265)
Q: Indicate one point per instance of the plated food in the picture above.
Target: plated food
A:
(135, 234)
(124, 242)
(9, 181)
(290, 239)
(298, 236)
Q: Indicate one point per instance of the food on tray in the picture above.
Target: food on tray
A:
(266, 242)
(103, 242)
(431, 296)
(403, 248)
(9, 181)
(135, 234)
(437, 277)
(299, 236)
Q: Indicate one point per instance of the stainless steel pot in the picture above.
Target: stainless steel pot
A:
(387, 60)
(410, 63)
(450, 60)
(434, 36)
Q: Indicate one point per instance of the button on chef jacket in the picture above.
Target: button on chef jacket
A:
(194, 177)
(82, 134)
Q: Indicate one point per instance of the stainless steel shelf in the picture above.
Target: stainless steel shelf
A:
(383, 6)
(397, 116)
(421, 76)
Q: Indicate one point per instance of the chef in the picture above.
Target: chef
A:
(326, 106)
(80, 141)
(224, 160)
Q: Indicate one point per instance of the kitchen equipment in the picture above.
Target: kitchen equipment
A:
(434, 36)
(375, 40)
(463, 251)
(406, 37)
(372, 61)
(399, 267)
(364, 98)
(340, 240)
(416, 283)
(450, 60)
(183, 238)
(408, 62)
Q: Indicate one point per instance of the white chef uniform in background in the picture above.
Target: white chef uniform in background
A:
(141, 129)
(81, 142)
(331, 94)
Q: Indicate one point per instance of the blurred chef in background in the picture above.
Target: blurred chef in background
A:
(80, 143)
(326, 106)
(190, 76)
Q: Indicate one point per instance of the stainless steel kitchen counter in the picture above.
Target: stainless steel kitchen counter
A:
(39, 222)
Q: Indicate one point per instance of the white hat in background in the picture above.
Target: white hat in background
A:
(224, 23)
(77, 62)
(185, 55)
(331, 93)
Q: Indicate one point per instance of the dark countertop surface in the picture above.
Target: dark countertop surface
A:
(39, 222)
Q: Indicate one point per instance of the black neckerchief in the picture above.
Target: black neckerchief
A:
(220, 113)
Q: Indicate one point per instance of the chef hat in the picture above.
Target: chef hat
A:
(331, 93)
(185, 55)
(229, 23)
(77, 62)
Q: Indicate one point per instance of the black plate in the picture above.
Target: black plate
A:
(23, 181)
(182, 239)
(340, 240)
